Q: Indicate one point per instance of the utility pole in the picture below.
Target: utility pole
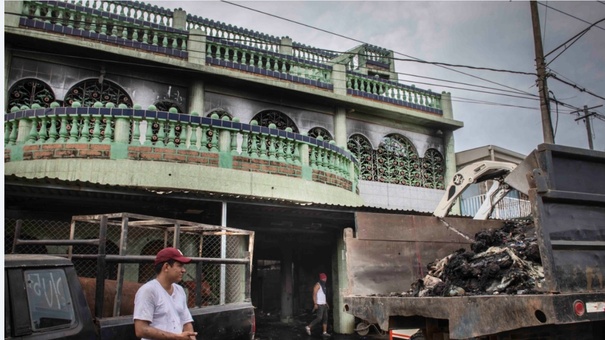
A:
(586, 118)
(541, 69)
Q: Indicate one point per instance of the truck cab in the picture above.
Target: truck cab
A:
(44, 300)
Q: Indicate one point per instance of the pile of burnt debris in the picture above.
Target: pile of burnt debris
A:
(501, 261)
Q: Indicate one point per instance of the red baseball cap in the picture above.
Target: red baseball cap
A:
(323, 276)
(171, 254)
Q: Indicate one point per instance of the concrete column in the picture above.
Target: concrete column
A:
(8, 56)
(12, 13)
(179, 19)
(339, 79)
(340, 127)
(285, 46)
(344, 323)
(450, 162)
(196, 97)
(196, 47)
(446, 105)
(286, 285)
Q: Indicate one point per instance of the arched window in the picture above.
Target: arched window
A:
(319, 131)
(361, 148)
(90, 91)
(281, 120)
(397, 161)
(433, 169)
(30, 91)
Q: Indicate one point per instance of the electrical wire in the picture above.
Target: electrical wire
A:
(352, 39)
(581, 89)
(574, 37)
(582, 20)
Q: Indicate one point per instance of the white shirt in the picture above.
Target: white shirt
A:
(166, 312)
(321, 296)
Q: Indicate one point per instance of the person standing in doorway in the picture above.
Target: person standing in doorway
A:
(320, 303)
(160, 305)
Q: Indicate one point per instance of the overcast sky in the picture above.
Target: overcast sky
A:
(498, 108)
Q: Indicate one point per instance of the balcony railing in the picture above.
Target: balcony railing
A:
(150, 28)
(188, 137)
(507, 208)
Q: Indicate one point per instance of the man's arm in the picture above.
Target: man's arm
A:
(315, 289)
(188, 327)
(143, 329)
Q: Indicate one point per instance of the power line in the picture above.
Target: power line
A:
(582, 20)
(581, 89)
(575, 36)
(353, 39)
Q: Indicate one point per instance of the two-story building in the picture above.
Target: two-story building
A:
(116, 106)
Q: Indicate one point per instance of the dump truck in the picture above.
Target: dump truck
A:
(81, 280)
(388, 253)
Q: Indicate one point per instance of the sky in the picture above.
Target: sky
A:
(499, 108)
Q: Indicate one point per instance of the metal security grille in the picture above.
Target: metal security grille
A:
(221, 255)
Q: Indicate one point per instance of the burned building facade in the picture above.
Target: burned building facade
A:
(115, 106)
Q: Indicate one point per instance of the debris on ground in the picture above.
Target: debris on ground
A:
(501, 261)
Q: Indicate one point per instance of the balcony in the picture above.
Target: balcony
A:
(175, 151)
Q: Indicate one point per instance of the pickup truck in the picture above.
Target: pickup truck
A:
(390, 252)
(46, 296)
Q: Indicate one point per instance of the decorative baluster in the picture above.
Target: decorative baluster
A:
(145, 37)
(96, 131)
(85, 130)
(59, 21)
(136, 131)
(114, 30)
(184, 45)
(52, 135)
(12, 139)
(193, 137)
(148, 133)
(280, 149)
(165, 40)
(214, 142)
(233, 135)
(103, 27)
(108, 133)
(37, 14)
(72, 19)
(33, 132)
(272, 142)
(263, 147)
(43, 133)
(175, 42)
(160, 135)
(93, 25)
(63, 133)
(26, 10)
(7, 132)
(171, 135)
(204, 143)
(313, 156)
(49, 15)
(154, 40)
(288, 149)
(245, 137)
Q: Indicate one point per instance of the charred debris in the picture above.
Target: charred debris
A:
(502, 261)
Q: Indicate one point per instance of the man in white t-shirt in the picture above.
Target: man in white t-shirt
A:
(160, 305)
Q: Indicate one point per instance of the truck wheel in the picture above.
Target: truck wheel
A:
(362, 328)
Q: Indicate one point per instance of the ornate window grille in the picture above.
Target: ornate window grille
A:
(30, 91)
(396, 161)
(361, 148)
(90, 91)
(319, 131)
(433, 169)
(281, 120)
